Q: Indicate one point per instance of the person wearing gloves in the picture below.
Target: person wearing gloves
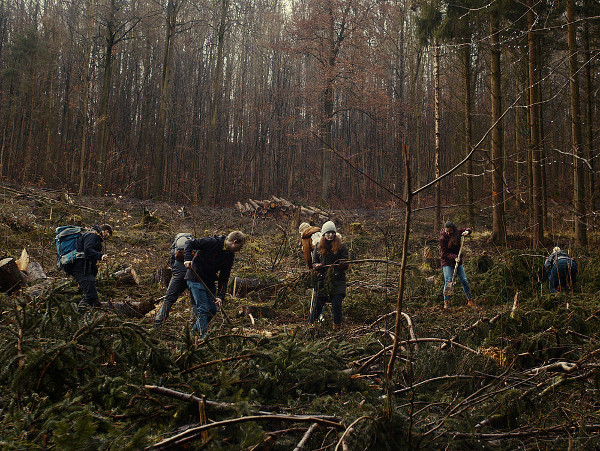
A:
(330, 262)
(450, 240)
(561, 270)
(213, 262)
(85, 269)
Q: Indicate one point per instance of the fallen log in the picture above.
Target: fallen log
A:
(133, 309)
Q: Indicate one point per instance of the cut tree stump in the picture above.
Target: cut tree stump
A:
(11, 278)
(23, 260)
(243, 286)
(126, 276)
(163, 276)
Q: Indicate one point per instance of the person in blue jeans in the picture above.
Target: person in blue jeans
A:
(212, 263)
(561, 270)
(450, 238)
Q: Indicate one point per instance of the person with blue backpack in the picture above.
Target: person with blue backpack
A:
(177, 284)
(85, 268)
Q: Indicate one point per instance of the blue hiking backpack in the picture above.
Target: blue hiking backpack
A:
(67, 240)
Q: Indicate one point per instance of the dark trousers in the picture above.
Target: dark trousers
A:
(87, 284)
(319, 303)
(563, 275)
(176, 287)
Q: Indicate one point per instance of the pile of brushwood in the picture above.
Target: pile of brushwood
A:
(523, 371)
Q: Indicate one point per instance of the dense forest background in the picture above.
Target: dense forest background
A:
(213, 101)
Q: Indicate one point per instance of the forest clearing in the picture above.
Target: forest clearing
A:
(519, 372)
(411, 134)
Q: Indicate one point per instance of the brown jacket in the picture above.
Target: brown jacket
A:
(307, 246)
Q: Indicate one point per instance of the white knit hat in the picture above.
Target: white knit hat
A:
(329, 226)
(556, 249)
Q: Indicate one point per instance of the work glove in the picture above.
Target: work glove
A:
(187, 263)
(465, 233)
(104, 257)
(218, 301)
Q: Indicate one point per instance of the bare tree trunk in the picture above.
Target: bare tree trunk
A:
(208, 193)
(86, 99)
(468, 129)
(104, 114)
(578, 174)
(408, 206)
(167, 74)
(589, 118)
(536, 157)
(437, 224)
(498, 224)
(326, 121)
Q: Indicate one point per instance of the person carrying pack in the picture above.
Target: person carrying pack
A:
(561, 270)
(84, 267)
(177, 285)
(67, 239)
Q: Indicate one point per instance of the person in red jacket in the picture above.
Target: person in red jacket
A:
(450, 240)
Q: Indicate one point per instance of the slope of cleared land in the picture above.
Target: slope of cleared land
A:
(520, 372)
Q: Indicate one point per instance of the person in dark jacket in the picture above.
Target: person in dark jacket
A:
(213, 262)
(85, 269)
(177, 284)
(561, 270)
(330, 261)
(450, 239)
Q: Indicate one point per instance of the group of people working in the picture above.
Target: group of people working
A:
(203, 266)
(560, 268)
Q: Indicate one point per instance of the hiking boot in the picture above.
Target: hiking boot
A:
(446, 303)
(471, 303)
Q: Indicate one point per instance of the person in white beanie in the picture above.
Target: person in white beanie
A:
(330, 261)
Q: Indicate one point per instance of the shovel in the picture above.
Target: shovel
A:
(450, 287)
